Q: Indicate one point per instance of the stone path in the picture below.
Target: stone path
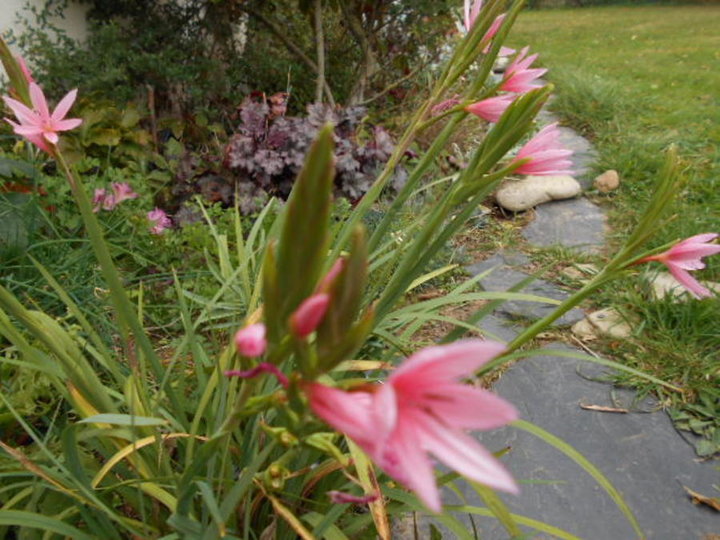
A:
(639, 451)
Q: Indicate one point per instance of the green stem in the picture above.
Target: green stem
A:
(128, 321)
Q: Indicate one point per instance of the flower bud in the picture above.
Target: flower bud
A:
(309, 315)
(250, 341)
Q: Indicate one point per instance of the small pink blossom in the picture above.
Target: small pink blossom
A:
(423, 409)
(471, 13)
(160, 221)
(122, 192)
(518, 75)
(687, 255)
(545, 154)
(491, 109)
(37, 125)
(250, 341)
(309, 315)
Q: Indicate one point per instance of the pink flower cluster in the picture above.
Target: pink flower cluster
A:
(423, 409)
(121, 191)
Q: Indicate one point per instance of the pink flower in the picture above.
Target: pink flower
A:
(309, 314)
(160, 221)
(423, 409)
(37, 125)
(545, 155)
(491, 109)
(687, 255)
(518, 77)
(122, 192)
(471, 13)
(250, 341)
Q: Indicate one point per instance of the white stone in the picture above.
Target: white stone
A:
(606, 322)
(519, 195)
(664, 284)
(607, 181)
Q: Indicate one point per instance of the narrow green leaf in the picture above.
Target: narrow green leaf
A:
(31, 520)
(581, 460)
(123, 420)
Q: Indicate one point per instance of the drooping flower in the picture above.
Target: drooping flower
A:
(687, 255)
(491, 109)
(250, 341)
(160, 221)
(121, 191)
(37, 125)
(309, 314)
(423, 409)
(545, 155)
(262, 367)
(518, 75)
(471, 13)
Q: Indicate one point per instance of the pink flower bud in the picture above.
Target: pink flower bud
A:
(333, 273)
(250, 341)
(309, 314)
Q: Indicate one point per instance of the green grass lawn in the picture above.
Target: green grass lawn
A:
(635, 80)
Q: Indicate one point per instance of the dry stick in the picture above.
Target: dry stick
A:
(293, 48)
(320, 50)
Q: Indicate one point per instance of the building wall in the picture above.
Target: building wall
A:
(73, 23)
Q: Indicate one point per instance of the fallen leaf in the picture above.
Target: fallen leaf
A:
(697, 498)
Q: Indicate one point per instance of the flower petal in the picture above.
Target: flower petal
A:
(462, 406)
(38, 100)
(446, 362)
(465, 455)
(689, 282)
(64, 106)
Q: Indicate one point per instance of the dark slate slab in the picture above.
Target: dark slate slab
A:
(575, 223)
(640, 452)
(504, 276)
(499, 329)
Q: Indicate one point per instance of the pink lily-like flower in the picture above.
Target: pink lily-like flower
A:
(423, 409)
(519, 77)
(160, 221)
(491, 109)
(122, 192)
(37, 125)
(250, 341)
(687, 255)
(309, 314)
(471, 13)
(545, 155)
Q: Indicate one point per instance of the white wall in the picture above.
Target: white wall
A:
(73, 23)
